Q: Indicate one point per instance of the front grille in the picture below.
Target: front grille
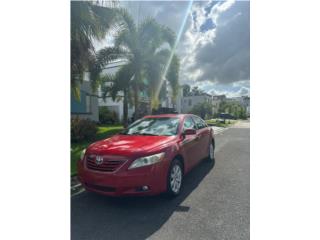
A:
(101, 188)
(107, 165)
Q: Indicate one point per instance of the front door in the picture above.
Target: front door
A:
(190, 145)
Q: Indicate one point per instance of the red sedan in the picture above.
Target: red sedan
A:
(151, 156)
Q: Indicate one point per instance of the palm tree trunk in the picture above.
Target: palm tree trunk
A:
(150, 106)
(136, 101)
(125, 107)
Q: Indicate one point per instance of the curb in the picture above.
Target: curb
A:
(76, 186)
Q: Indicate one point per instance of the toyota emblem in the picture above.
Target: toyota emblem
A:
(99, 160)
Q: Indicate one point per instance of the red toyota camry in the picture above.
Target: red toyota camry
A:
(151, 156)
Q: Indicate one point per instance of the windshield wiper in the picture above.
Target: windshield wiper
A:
(123, 133)
(143, 134)
(149, 134)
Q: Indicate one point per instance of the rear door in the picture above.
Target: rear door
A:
(203, 133)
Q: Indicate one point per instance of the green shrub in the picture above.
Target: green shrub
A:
(107, 117)
(82, 129)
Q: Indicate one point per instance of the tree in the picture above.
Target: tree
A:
(148, 57)
(233, 108)
(89, 21)
(186, 90)
(196, 91)
(120, 82)
(203, 109)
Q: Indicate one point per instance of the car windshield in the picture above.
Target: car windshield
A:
(164, 126)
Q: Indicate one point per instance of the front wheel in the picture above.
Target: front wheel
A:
(211, 152)
(175, 177)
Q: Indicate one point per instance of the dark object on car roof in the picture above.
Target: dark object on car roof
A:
(164, 110)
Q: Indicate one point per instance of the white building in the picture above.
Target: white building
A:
(188, 102)
(216, 101)
(243, 101)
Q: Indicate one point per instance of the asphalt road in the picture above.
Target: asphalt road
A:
(214, 203)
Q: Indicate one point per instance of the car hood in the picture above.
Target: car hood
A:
(128, 145)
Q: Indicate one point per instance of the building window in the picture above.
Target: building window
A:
(190, 102)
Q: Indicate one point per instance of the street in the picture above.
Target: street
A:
(214, 202)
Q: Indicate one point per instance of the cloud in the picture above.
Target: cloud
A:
(237, 89)
(169, 13)
(222, 54)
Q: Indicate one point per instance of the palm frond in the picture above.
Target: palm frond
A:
(120, 80)
(168, 35)
(127, 20)
(103, 57)
(89, 21)
(150, 35)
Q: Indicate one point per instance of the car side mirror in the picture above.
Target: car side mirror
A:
(190, 131)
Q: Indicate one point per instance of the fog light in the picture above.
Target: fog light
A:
(142, 189)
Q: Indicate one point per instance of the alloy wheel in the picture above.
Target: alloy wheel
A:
(211, 151)
(176, 178)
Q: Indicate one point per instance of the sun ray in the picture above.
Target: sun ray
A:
(162, 79)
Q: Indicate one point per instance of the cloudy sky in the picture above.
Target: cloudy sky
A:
(214, 47)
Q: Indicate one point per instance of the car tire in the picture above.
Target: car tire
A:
(175, 178)
(211, 152)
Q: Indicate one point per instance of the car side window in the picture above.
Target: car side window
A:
(188, 123)
(199, 123)
(204, 123)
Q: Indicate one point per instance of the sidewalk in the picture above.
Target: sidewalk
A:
(242, 124)
(218, 130)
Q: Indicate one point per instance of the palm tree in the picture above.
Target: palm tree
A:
(120, 83)
(148, 55)
(157, 74)
(89, 21)
(186, 90)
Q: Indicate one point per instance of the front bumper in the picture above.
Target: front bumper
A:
(124, 181)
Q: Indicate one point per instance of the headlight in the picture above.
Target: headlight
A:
(145, 161)
(82, 154)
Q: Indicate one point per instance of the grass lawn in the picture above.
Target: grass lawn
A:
(76, 148)
(217, 123)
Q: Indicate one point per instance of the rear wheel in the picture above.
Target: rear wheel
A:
(175, 178)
